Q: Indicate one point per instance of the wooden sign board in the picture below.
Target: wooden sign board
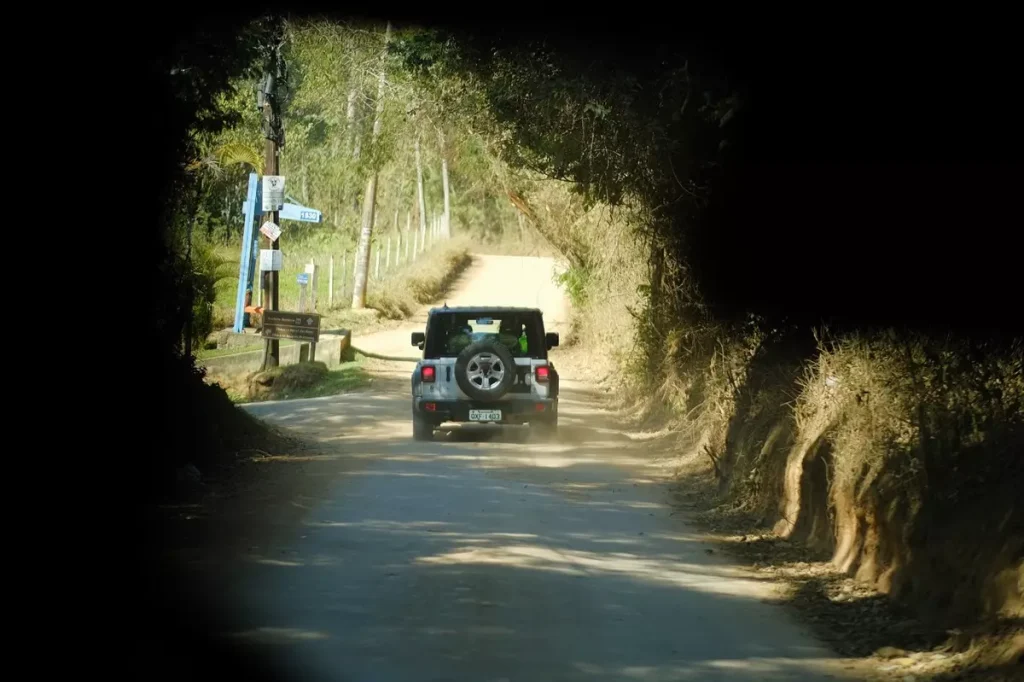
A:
(282, 324)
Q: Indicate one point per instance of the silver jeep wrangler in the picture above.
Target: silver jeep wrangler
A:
(484, 365)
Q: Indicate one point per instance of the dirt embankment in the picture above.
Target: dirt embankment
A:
(881, 474)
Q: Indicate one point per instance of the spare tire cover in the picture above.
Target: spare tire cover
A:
(485, 370)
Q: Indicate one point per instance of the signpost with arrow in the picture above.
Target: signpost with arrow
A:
(283, 324)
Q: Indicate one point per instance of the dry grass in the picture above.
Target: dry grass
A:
(425, 281)
(896, 456)
(603, 277)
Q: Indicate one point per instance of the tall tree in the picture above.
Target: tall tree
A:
(419, 191)
(370, 202)
(444, 182)
(350, 120)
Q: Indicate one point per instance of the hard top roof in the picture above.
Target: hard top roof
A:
(484, 310)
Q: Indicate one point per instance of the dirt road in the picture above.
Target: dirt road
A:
(490, 280)
(491, 556)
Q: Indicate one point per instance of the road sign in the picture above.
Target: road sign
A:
(271, 230)
(281, 324)
(302, 278)
(270, 259)
(301, 213)
(273, 193)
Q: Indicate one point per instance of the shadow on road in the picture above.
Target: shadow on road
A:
(490, 555)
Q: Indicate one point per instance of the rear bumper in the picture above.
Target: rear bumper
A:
(512, 411)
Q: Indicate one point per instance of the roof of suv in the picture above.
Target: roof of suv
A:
(473, 310)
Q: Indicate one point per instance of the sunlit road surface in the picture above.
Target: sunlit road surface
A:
(490, 280)
(493, 555)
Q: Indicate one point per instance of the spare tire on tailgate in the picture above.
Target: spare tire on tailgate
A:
(485, 370)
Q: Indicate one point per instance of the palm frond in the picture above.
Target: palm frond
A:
(231, 153)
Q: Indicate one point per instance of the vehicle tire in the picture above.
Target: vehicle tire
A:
(554, 383)
(421, 428)
(485, 370)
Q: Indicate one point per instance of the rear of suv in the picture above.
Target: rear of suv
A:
(484, 365)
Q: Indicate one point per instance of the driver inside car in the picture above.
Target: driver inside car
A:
(460, 338)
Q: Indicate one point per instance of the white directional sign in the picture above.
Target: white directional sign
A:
(273, 193)
(301, 213)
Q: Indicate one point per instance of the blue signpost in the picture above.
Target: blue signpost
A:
(253, 209)
(250, 241)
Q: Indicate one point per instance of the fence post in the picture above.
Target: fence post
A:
(313, 271)
(330, 283)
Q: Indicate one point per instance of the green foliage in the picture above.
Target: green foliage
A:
(574, 281)
(208, 269)
(333, 84)
(646, 141)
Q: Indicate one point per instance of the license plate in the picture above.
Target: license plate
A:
(485, 415)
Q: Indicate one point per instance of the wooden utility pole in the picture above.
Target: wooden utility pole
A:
(274, 134)
(272, 350)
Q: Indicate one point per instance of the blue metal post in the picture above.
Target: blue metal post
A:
(247, 256)
(255, 252)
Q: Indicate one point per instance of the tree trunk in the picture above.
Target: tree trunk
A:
(447, 199)
(370, 200)
(352, 114)
(363, 250)
(446, 224)
(419, 189)
(350, 122)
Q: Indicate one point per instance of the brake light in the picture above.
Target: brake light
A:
(427, 373)
(542, 375)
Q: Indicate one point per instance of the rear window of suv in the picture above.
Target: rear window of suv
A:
(521, 333)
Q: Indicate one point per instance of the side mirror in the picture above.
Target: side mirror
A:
(551, 339)
(418, 338)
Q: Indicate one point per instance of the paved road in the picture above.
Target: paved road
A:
(489, 555)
